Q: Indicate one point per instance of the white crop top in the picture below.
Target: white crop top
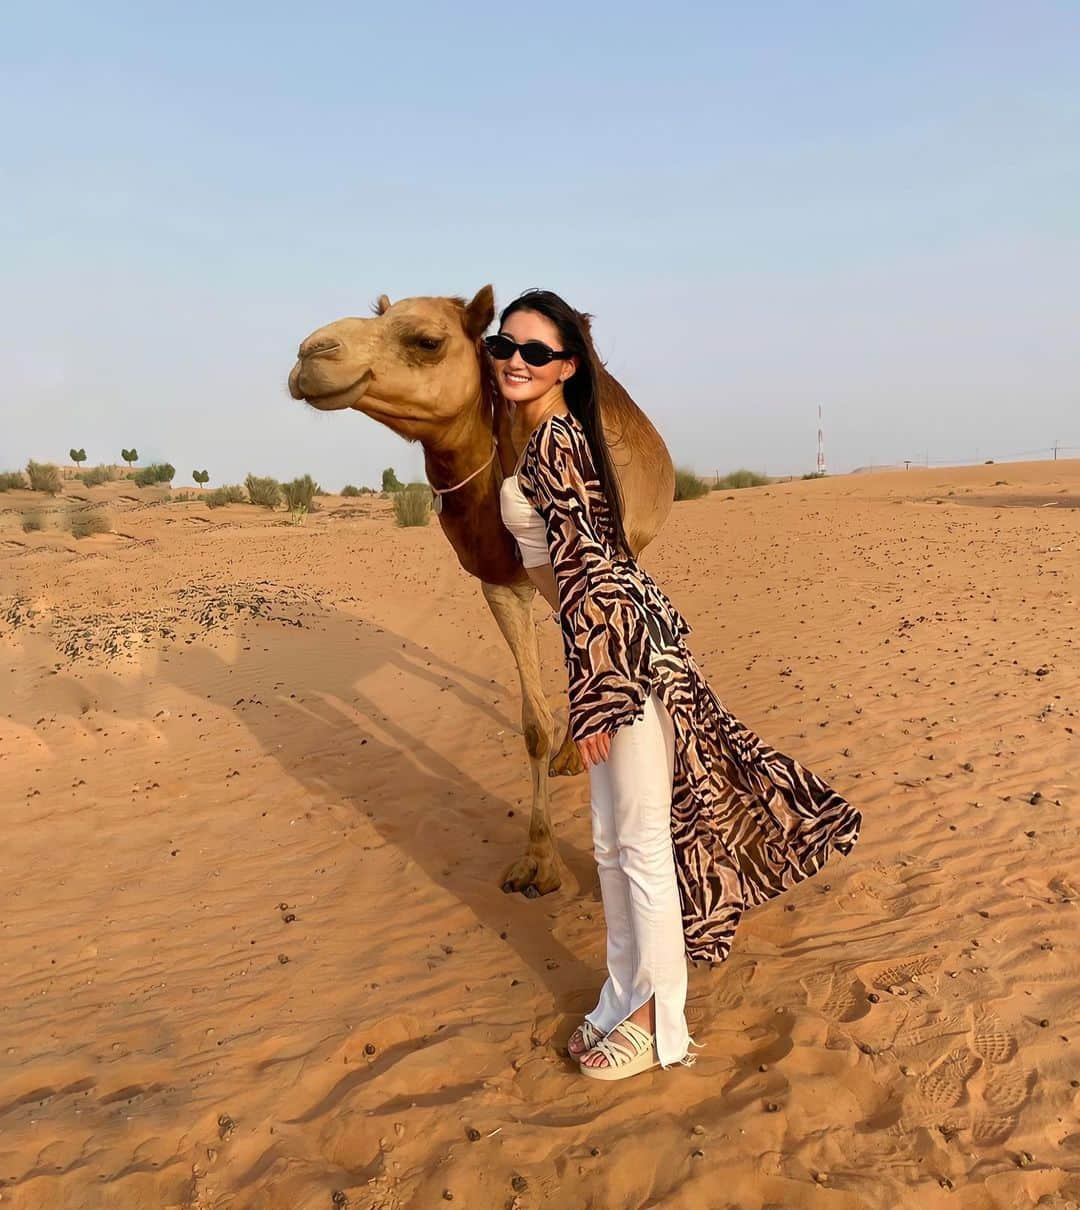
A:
(524, 522)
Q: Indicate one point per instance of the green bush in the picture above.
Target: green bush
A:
(97, 475)
(300, 493)
(688, 486)
(156, 472)
(815, 475)
(266, 492)
(233, 493)
(11, 480)
(44, 477)
(390, 481)
(92, 521)
(740, 478)
(412, 504)
(350, 490)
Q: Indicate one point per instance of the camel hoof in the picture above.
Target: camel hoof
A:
(534, 874)
(567, 761)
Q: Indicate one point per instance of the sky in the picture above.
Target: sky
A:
(874, 208)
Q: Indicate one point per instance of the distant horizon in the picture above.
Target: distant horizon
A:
(179, 483)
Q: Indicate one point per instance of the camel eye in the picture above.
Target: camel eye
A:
(428, 343)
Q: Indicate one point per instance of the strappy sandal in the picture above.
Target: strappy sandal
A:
(588, 1033)
(624, 1057)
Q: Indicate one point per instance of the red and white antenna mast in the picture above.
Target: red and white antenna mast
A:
(820, 444)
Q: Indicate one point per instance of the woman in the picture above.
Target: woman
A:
(694, 818)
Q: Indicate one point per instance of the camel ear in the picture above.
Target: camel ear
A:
(480, 312)
(383, 305)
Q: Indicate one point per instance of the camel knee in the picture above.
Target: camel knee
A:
(537, 741)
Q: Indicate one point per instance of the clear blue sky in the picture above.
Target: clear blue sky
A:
(875, 207)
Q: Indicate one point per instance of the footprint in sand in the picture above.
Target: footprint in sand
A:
(991, 1040)
(944, 1086)
(834, 996)
(1006, 1088)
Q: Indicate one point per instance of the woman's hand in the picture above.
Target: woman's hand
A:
(596, 748)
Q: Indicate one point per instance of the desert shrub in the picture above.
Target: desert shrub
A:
(33, 520)
(815, 475)
(266, 492)
(11, 480)
(184, 497)
(97, 475)
(300, 493)
(130, 456)
(350, 490)
(232, 493)
(740, 478)
(90, 521)
(688, 486)
(412, 504)
(390, 481)
(77, 456)
(202, 478)
(44, 477)
(156, 472)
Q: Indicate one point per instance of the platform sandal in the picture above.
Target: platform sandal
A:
(629, 1049)
(588, 1033)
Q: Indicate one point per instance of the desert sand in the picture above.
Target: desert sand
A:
(259, 781)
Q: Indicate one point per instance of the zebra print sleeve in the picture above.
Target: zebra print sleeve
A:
(604, 633)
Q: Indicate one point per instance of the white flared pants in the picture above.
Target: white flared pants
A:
(631, 823)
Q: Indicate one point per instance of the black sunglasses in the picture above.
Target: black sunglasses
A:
(533, 352)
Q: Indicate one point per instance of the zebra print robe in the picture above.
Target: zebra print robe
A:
(747, 821)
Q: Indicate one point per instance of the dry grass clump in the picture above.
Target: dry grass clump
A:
(97, 475)
(412, 504)
(740, 478)
(300, 494)
(44, 477)
(11, 481)
(266, 491)
(689, 486)
(231, 493)
(90, 521)
(33, 520)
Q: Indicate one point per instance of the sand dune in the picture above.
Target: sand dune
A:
(260, 780)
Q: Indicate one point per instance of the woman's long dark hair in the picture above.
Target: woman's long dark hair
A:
(582, 390)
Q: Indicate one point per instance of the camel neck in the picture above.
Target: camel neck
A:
(464, 449)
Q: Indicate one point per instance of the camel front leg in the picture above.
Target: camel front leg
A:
(536, 872)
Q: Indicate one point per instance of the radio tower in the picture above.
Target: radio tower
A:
(820, 444)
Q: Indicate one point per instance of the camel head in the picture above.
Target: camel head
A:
(414, 366)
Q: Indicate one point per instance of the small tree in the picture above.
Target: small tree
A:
(390, 481)
(77, 456)
(130, 456)
(202, 478)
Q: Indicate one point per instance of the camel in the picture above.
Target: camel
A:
(418, 367)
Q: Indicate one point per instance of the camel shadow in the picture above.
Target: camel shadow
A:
(338, 742)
